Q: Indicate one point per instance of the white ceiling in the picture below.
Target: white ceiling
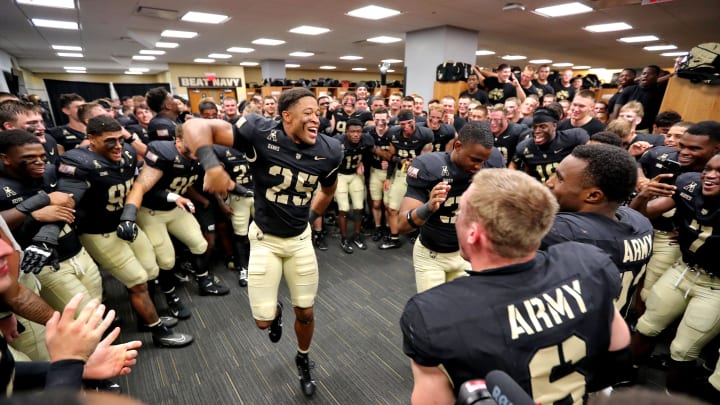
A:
(112, 31)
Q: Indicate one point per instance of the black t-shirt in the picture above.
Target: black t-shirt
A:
(99, 187)
(67, 137)
(382, 142)
(353, 153)
(478, 95)
(508, 140)
(539, 321)
(698, 223)
(285, 173)
(499, 92)
(591, 127)
(438, 233)
(628, 240)
(563, 92)
(541, 161)
(543, 89)
(161, 129)
(650, 98)
(236, 165)
(178, 174)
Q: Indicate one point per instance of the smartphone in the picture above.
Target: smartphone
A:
(671, 167)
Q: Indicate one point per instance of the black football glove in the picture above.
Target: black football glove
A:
(127, 229)
(39, 255)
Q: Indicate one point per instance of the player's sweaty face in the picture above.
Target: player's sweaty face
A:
(301, 121)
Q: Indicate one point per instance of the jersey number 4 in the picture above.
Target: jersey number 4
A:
(296, 188)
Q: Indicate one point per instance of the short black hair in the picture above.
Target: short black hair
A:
(207, 105)
(289, 98)
(102, 123)
(68, 98)
(477, 133)
(155, 98)
(14, 138)
(125, 98)
(354, 122)
(380, 110)
(607, 137)
(631, 70)
(610, 168)
(667, 118)
(656, 68)
(706, 128)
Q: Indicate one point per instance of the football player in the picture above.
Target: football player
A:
(18, 115)
(162, 125)
(443, 134)
(71, 135)
(378, 169)
(506, 134)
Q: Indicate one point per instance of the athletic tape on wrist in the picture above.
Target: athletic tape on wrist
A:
(207, 158)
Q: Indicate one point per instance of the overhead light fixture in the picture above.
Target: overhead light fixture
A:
(562, 64)
(75, 68)
(138, 69)
(203, 60)
(49, 3)
(659, 47)
(178, 34)
(206, 18)
(309, 30)
(373, 12)
(639, 38)
(81, 72)
(540, 61)
(359, 69)
(391, 70)
(292, 65)
(351, 57)
(268, 42)
(168, 45)
(581, 67)
(219, 56)
(679, 53)
(327, 67)
(392, 60)
(562, 10)
(484, 52)
(132, 72)
(63, 25)
(301, 54)
(70, 54)
(237, 49)
(617, 26)
(384, 39)
(151, 52)
(67, 48)
(514, 57)
(249, 63)
(143, 57)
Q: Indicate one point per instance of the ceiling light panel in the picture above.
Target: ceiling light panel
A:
(249, 63)
(238, 49)
(268, 42)
(484, 52)
(70, 54)
(373, 12)
(359, 69)
(562, 10)
(143, 57)
(203, 60)
(178, 34)
(540, 61)
(392, 60)
(63, 25)
(562, 64)
(292, 65)
(67, 48)
(659, 47)
(205, 18)
(351, 57)
(49, 3)
(301, 54)
(514, 57)
(151, 52)
(167, 45)
(327, 67)
(679, 53)
(309, 30)
(220, 56)
(610, 27)
(639, 38)
(384, 39)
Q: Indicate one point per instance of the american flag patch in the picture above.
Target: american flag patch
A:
(163, 132)
(67, 169)
(413, 172)
(151, 156)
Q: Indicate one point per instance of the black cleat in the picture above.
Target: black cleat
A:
(359, 241)
(346, 246)
(208, 286)
(304, 365)
(276, 326)
(176, 308)
(319, 240)
(168, 321)
(377, 234)
(230, 263)
(164, 337)
(242, 278)
(391, 243)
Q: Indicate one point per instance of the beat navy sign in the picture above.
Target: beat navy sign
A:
(204, 82)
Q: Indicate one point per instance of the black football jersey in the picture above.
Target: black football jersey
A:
(441, 136)
(99, 187)
(508, 140)
(592, 127)
(628, 241)
(140, 131)
(542, 160)
(698, 224)
(67, 137)
(51, 150)
(341, 119)
(409, 148)
(499, 92)
(236, 165)
(545, 322)
(382, 142)
(161, 129)
(353, 153)
(285, 173)
(178, 174)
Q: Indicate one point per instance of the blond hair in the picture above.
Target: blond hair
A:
(515, 210)
(635, 107)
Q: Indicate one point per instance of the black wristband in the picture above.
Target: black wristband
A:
(207, 157)
(40, 200)
(424, 212)
(129, 213)
(410, 220)
(48, 234)
(240, 189)
(313, 216)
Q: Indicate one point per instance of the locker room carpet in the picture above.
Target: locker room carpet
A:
(357, 345)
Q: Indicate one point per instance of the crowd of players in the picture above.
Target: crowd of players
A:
(149, 195)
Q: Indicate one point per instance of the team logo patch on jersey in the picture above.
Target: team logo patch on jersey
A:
(703, 211)
(8, 191)
(272, 137)
(413, 172)
(163, 132)
(151, 156)
(96, 164)
(298, 156)
(691, 187)
(445, 172)
(67, 169)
